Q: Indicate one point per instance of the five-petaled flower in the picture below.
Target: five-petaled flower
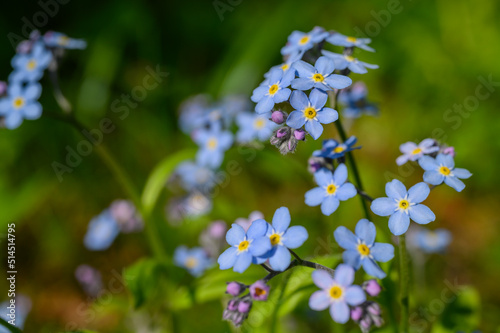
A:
(401, 205)
(30, 67)
(310, 112)
(442, 169)
(354, 101)
(282, 237)
(348, 41)
(194, 176)
(431, 241)
(20, 103)
(213, 143)
(254, 126)
(343, 61)
(332, 188)
(299, 42)
(337, 293)
(195, 260)
(58, 39)
(319, 76)
(273, 90)
(412, 152)
(244, 246)
(361, 249)
(334, 149)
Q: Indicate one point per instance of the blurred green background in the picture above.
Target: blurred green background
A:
(432, 55)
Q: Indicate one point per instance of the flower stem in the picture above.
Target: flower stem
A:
(295, 263)
(404, 278)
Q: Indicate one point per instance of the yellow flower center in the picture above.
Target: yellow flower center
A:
(318, 77)
(284, 67)
(338, 149)
(18, 102)
(191, 262)
(351, 39)
(444, 171)
(31, 65)
(363, 249)
(310, 112)
(416, 151)
(349, 58)
(259, 123)
(330, 189)
(259, 291)
(304, 40)
(243, 246)
(273, 89)
(404, 204)
(335, 292)
(212, 143)
(275, 239)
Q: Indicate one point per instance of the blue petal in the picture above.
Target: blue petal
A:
(373, 269)
(327, 116)
(260, 246)
(399, 223)
(421, 214)
(243, 261)
(295, 236)
(281, 259)
(33, 91)
(315, 196)
(259, 93)
(427, 163)
(319, 300)
(446, 160)
(282, 95)
(299, 100)
(324, 65)
(257, 229)
(266, 104)
(433, 177)
(345, 238)
(322, 279)
(344, 275)
(281, 219)
(418, 192)
(227, 258)
(302, 83)
(366, 231)
(13, 120)
(352, 258)
(235, 235)
(32, 111)
(296, 119)
(395, 189)
(304, 69)
(338, 81)
(329, 205)
(340, 175)
(346, 191)
(340, 312)
(455, 183)
(461, 173)
(383, 206)
(382, 252)
(318, 98)
(314, 128)
(354, 295)
(323, 177)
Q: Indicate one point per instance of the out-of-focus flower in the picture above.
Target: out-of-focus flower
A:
(22, 309)
(347, 41)
(90, 279)
(401, 205)
(412, 152)
(442, 169)
(254, 126)
(367, 315)
(213, 143)
(273, 90)
(431, 241)
(58, 39)
(337, 293)
(334, 149)
(361, 249)
(195, 260)
(259, 291)
(354, 101)
(332, 189)
(192, 112)
(20, 103)
(299, 42)
(102, 231)
(246, 223)
(127, 216)
(195, 177)
(30, 67)
(212, 238)
(319, 76)
(372, 287)
(343, 61)
(311, 112)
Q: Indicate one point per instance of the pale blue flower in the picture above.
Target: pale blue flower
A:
(273, 90)
(254, 127)
(334, 149)
(20, 103)
(348, 41)
(354, 101)
(58, 39)
(213, 144)
(346, 61)
(442, 169)
(30, 67)
(319, 76)
(195, 260)
(432, 241)
(299, 42)
(412, 152)
(102, 231)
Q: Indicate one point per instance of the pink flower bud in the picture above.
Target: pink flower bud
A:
(299, 134)
(372, 287)
(278, 117)
(235, 288)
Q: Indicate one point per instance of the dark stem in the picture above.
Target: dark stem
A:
(404, 278)
(267, 268)
(64, 104)
(364, 195)
(295, 263)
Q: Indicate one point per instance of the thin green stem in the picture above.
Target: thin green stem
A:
(299, 262)
(404, 278)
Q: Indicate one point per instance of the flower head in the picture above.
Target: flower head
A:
(195, 260)
(442, 169)
(348, 41)
(244, 246)
(343, 61)
(337, 293)
(331, 190)
(90, 280)
(259, 291)
(213, 143)
(127, 216)
(273, 90)
(235, 288)
(431, 241)
(361, 249)
(20, 103)
(354, 101)
(101, 232)
(412, 152)
(299, 42)
(196, 177)
(30, 67)
(372, 287)
(283, 237)
(334, 149)
(58, 39)
(320, 76)
(401, 205)
(254, 126)
(310, 112)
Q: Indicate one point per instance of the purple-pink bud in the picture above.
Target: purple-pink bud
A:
(299, 134)
(3, 88)
(372, 287)
(282, 132)
(449, 151)
(278, 117)
(244, 307)
(374, 309)
(365, 323)
(217, 229)
(235, 288)
(232, 305)
(356, 313)
(259, 291)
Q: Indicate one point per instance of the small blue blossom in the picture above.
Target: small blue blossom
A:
(442, 169)
(332, 189)
(101, 232)
(320, 76)
(346, 61)
(195, 260)
(20, 103)
(337, 293)
(310, 112)
(58, 39)
(30, 67)
(213, 143)
(194, 176)
(273, 90)
(354, 101)
(283, 237)
(192, 112)
(254, 126)
(347, 41)
(432, 241)
(299, 42)
(245, 247)
(334, 149)
(362, 249)
(401, 205)
(412, 152)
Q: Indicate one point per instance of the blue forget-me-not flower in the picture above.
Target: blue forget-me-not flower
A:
(343, 61)
(195, 260)
(20, 103)
(442, 169)
(319, 76)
